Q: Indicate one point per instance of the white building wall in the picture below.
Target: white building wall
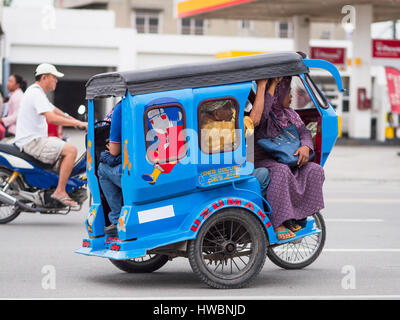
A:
(87, 41)
(67, 37)
(160, 50)
(89, 38)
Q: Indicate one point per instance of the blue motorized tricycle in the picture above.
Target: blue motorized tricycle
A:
(188, 189)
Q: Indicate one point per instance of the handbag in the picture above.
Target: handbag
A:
(283, 146)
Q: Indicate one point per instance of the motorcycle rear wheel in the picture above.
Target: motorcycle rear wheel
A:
(300, 253)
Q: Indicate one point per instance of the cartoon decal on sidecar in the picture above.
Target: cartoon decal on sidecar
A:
(166, 143)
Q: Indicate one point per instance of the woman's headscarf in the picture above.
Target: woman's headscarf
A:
(284, 116)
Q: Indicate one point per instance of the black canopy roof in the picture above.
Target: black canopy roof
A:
(218, 72)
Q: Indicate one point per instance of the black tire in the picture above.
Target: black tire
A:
(233, 237)
(146, 264)
(300, 253)
(14, 213)
(8, 212)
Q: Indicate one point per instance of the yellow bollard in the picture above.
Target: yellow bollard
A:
(389, 132)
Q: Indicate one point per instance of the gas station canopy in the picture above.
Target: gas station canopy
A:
(357, 14)
(316, 10)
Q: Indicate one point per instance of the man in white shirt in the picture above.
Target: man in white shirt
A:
(31, 133)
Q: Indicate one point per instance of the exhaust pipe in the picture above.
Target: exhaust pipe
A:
(7, 199)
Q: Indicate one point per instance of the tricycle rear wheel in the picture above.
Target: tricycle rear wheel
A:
(146, 264)
(229, 250)
(300, 253)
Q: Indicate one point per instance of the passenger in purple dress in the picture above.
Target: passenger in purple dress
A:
(293, 193)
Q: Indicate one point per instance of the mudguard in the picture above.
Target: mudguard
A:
(194, 221)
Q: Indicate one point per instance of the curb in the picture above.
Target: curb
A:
(367, 142)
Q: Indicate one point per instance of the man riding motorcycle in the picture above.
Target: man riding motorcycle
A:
(31, 132)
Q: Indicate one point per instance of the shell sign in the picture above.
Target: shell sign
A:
(333, 55)
(189, 8)
(382, 48)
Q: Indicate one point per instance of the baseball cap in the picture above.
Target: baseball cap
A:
(46, 68)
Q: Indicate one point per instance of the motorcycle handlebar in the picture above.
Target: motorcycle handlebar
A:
(82, 128)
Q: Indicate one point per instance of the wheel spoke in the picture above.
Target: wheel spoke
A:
(215, 227)
(245, 233)
(299, 251)
(236, 264)
(223, 235)
(237, 229)
(242, 260)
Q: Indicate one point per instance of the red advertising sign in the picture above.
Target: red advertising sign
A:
(386, 48)
(393, 85)
(333, 55)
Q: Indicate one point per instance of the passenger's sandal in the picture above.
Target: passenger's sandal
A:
(287, 231)
(292, 225)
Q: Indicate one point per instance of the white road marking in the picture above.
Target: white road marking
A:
(364, 200)
(214, 297)
(352, 220)
(274, 297)
(344, 250)
(389, 250)
(329, 297)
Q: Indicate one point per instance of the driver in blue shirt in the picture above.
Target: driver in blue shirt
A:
(110, 171)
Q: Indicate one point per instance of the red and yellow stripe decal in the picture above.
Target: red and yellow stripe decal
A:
(192, 7)
(232, 54)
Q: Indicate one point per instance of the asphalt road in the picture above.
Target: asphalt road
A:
(361, 259)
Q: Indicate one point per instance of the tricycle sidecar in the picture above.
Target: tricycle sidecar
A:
(189, 192)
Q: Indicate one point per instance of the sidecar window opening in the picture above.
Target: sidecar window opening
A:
(304, 105)
(317, 92)
(250, 99)
(218, 124)
(165, 136)
(301, 98)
